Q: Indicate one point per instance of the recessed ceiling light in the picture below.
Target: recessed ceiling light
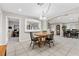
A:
(19, 9)
(71, 18)
(44, 17)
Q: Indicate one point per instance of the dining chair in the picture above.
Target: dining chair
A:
(44, 31)
(67, 33)
(74, 33)
(33, 39)
(50, 39)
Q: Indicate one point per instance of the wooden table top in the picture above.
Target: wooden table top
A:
(42, 34)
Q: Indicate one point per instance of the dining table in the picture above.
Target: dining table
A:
(42, 37)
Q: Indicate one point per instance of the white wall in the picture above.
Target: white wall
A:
(44, 25)
(2, 29)
(53, 28)
(74, 25)
(1, 41)
(23, 36)
(4, 24)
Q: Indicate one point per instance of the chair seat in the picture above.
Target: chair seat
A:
(48, 39)
(34, 39)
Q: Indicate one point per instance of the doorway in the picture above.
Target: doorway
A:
(13, 30)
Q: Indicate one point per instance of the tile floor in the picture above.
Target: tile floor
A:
(13, 39)
(63, 47)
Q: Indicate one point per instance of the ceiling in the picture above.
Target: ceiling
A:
(34, 10)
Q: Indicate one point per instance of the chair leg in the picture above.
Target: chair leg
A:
(33, 45)
(49, 45)
(53, 43)
(30, 43)
(44, 43)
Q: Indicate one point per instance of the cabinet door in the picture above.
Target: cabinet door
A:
(57, 29)
(3, 50)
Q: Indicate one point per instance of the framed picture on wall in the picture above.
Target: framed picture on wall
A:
(32, 25)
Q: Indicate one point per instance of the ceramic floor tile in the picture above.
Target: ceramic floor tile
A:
(58, 53)
(19, 51)
(63, 47)
(12, 53)
(74, 52)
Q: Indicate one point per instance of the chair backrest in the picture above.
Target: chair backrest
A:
(51, 36)
(68, 31)
(44, 31)
(31, 35)
(74, 31)
(52, 32)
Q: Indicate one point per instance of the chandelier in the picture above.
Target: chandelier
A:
(40, 4)
(45, 9)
